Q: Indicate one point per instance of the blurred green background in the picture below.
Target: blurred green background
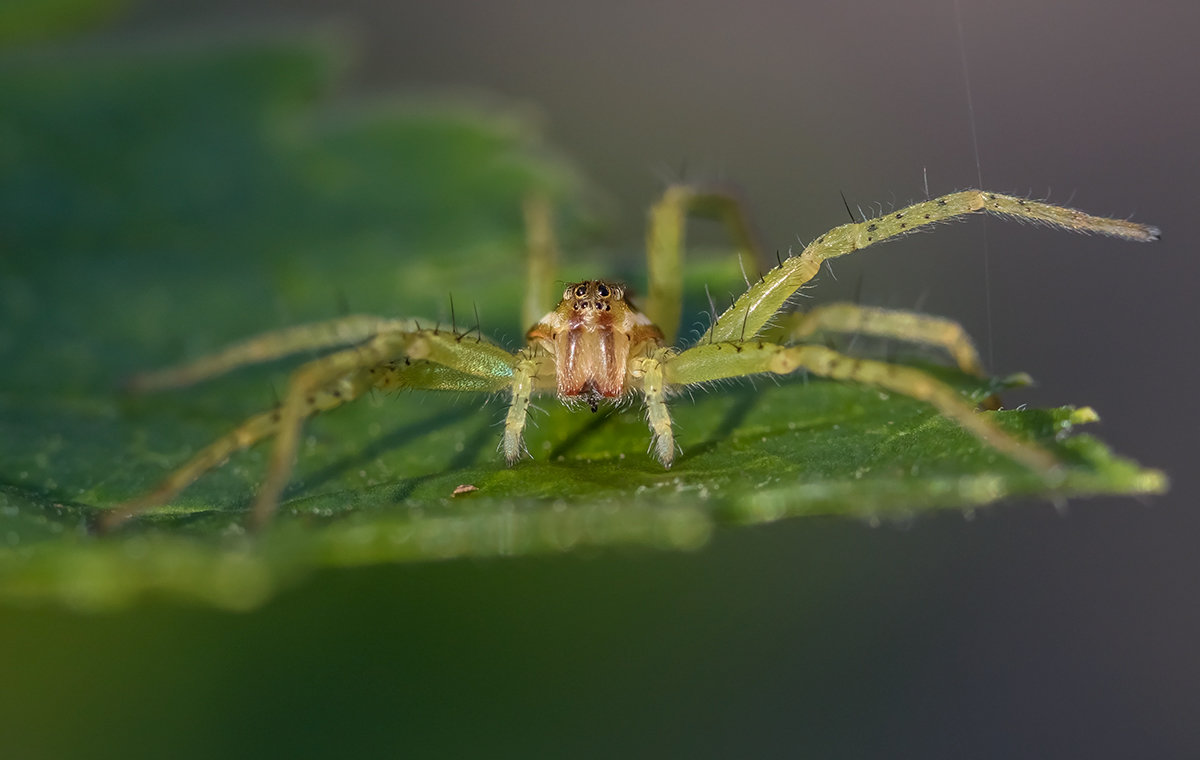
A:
(1021, 632)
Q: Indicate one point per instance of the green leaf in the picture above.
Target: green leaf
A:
(24, 21)
(162, 203)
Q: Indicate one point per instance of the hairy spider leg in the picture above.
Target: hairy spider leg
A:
(665, 238)
(245, 435)
(533, 371)
(719, 352)
(715, 361)
(649, 372)
(447, 349)
(755, 308)
(875, 322)
(396, 358)
(333, 333)
(542, 254)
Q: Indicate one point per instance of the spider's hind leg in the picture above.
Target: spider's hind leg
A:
(266, 347)
(894, 324)
(722, 360)
(665, 243)
(542, 253)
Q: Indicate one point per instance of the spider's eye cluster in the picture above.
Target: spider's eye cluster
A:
(596, 289)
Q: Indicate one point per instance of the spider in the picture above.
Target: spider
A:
(596, 347)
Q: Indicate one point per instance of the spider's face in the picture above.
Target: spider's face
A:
(591, 335)
(594, 295)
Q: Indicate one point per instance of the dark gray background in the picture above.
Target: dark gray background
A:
(1025, 632)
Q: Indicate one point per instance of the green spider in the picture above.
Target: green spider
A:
(596, 346)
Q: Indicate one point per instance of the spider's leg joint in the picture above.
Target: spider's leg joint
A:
(783, 362)
(418, 349)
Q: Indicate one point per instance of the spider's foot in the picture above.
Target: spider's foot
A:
(664, 449)
(514, 449)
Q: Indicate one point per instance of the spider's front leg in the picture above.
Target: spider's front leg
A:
(755, 308)
(893, 324)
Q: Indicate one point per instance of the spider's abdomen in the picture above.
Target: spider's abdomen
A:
(592, 335)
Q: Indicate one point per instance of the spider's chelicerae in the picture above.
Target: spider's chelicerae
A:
(595, 346)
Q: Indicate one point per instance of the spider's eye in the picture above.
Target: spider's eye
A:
(581, 291)
(618, 294)
(602, 290)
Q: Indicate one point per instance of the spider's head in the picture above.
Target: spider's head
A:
(594, 305)
(593, 295)
(591, 334)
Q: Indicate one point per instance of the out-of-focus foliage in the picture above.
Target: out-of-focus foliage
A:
(25, 21)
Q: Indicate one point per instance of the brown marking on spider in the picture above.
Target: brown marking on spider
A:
(593, 333)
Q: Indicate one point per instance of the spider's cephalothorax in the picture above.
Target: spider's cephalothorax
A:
(595, 345)
(592, 335)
